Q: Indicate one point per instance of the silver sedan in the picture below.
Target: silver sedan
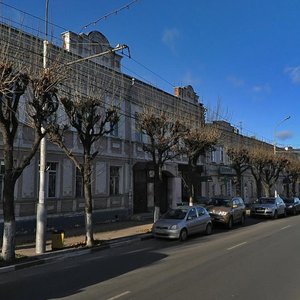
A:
(183, 221)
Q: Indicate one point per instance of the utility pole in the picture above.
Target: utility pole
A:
(41, 214)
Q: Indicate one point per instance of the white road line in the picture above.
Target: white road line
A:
(238, 245)
(136, 251)
(119, 296)
(285, 227)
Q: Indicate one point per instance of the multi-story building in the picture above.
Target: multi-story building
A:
(122, 172)
(122, 175)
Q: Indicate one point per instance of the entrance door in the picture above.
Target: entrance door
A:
(140, 191)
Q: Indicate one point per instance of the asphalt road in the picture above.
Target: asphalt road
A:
(261, 261)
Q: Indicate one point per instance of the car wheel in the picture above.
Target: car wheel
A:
(243, 219)
(275, 216)
(183, 235)
(208, 229)
(230, 223)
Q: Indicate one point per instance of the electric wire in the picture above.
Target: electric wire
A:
(142, 65)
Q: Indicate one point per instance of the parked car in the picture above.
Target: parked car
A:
(181, 222)
(227, 210)
(268, 207)
(292, 205)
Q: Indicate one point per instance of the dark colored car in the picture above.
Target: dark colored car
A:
(292, 205)
(227, 210)
(268, 207)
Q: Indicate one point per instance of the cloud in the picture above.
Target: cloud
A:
(265, 88)
(236, 82)
(170, 38)
(294, 73)
(284, 135)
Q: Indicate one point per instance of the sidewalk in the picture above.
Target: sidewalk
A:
(109, 234)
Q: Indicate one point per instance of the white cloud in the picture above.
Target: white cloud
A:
(236, 82)
(294, 73)
(170, 38)
(265, 88)
(284, 135)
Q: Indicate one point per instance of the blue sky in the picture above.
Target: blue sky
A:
(241, 56)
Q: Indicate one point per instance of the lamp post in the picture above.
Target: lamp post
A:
(275, 129)
(274, 146)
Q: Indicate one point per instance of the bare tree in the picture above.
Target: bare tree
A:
(239, 157)
(196, 142)
(272, 170)
(292, 173)
(257, 160)
(91, 120)
(265, 167)
(164, 135)
(42, 104)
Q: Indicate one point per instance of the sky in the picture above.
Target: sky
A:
(242, 57)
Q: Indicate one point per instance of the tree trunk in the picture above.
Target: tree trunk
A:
(239, 183)
(88, 203)
(8, 247)
(294, 188)
(258, 188)
(158, 183)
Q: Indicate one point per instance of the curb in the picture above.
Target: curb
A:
(73, 252)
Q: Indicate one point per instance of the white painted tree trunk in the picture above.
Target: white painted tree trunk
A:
(156, 213)
(8, 247)
(89, 229)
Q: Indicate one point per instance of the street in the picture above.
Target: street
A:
(259, 261)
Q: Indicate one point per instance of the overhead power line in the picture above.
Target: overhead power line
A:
(115, 12)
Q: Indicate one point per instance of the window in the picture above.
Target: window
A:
(235, 202)
(114, 129)
(78, 184)
(52, 179)
(201, 211)
(138, 132)
(114, 182)
(192, 214)
(213, 156)
(221, 155)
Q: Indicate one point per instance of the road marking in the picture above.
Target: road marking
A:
(285, 227)
(119, 296)
(238, 245)
(136, 251)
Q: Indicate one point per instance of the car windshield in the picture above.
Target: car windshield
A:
(221, 202)
(288, 200)
(265, 201)
(178, 214)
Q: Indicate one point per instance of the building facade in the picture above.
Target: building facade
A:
(122, 181)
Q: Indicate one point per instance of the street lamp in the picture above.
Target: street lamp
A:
(275, 129)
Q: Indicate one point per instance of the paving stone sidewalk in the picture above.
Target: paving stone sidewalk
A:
(74, 237)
